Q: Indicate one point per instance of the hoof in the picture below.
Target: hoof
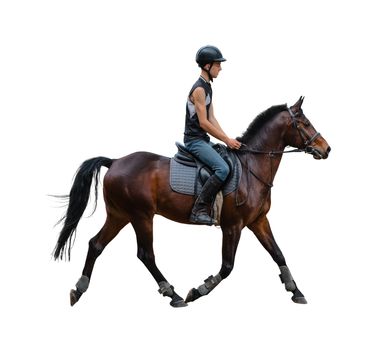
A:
(192, 295)
(178, 303)
(299, 300)
(74, 296)
(298, 297)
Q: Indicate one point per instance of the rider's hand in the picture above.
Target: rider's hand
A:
(233, 144)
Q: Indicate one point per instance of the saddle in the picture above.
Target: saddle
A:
(188, 174)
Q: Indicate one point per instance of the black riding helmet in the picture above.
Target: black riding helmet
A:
(208, 54)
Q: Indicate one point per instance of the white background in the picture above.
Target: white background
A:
(81, 79)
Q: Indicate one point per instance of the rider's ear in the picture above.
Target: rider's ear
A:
(207, 66)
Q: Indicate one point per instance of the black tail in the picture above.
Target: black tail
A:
(78, 199)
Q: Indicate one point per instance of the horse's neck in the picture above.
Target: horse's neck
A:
(267, 141)
(266, 164)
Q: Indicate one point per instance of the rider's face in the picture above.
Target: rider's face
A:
(215, 69)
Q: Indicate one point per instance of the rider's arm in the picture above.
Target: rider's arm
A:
(212, 118)
(199, 100)
(210, 125)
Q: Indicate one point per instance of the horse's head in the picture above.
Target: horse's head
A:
(302, 134)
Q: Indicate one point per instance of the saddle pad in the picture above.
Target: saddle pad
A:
(183, 179)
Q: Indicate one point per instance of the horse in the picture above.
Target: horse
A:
(136, 188)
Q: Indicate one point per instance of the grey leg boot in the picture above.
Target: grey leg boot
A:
(200, 213)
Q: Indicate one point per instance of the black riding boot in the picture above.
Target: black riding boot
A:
(200, 213)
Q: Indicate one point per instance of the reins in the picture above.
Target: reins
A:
(271, 154)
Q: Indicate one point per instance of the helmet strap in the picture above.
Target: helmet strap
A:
(208, 71)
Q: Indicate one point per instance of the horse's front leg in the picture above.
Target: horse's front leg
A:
(231, 237)
(262, 231)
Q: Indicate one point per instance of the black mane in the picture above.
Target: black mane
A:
(260, 121)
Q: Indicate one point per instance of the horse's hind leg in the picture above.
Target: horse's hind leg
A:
(143, 227)
(97, 244)
(262, 231)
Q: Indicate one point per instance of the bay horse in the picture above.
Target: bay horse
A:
(136, 187)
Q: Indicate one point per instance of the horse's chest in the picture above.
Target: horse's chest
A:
(259, 204)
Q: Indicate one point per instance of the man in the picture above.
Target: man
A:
(199, 122)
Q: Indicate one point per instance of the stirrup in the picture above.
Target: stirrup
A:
(202, 219)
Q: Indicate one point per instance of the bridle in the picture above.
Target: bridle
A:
(306, 140)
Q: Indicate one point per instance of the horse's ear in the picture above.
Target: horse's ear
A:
(299, 102)
(297, 106)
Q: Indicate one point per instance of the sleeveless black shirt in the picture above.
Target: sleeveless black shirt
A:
(193, 131)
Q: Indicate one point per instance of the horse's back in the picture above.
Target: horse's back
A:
(139, 184)
(135, 178)
(135, 167)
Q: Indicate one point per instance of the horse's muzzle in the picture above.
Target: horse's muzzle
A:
(318, 153)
